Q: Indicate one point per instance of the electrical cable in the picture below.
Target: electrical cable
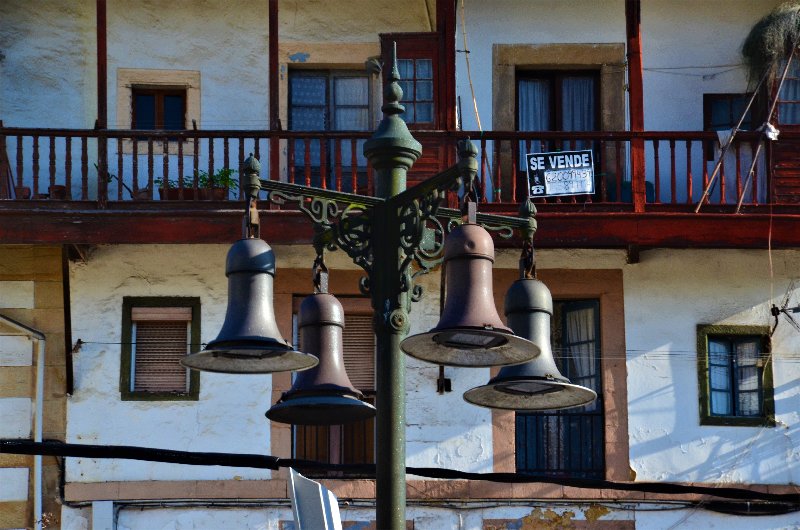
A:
(17, 446)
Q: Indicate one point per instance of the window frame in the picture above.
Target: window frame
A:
(159, 93)
(127, 357)
(554, 78)
(560, 309)
(731, 332)
(334, 435)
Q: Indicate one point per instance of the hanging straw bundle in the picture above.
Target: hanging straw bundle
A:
(771, 39)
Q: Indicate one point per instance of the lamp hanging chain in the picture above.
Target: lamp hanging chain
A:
(319, 272)
(251, 226)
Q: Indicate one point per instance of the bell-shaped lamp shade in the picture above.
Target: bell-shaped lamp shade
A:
(249, 341)
(538, 384)
(469, 332)
(323, 395)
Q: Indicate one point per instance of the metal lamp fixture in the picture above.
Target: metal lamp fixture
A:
(249, 341)
(535, 385)
(469, 332)
(323, 395)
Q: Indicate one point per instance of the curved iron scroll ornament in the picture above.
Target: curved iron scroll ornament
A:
(338, 224)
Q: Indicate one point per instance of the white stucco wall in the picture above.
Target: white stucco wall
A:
(667, 295)
(229, 415)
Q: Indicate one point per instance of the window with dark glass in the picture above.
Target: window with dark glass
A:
(789, 95)
(156, 334)
(158, 109)
(416, 80)
(568, 443)
(322, 101)
(735, 376)
(557, 101)
(351, 443)
(722, 112)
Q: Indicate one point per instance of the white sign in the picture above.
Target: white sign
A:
(560, 173)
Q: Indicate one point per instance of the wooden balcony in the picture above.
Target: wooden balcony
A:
(71, 200)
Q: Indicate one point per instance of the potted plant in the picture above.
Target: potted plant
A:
(172, 191)
(217, 186)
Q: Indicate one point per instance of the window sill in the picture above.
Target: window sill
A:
(159, 396)
(158, 147)
(738, 421)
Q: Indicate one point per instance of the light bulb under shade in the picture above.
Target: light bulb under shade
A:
(527, 393)
(470, 347)
(321, 410)
(254, 356)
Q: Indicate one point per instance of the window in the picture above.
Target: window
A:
(568, 443)
(352, 443)
(156, 334)
(322, 100)
(735, 375)
(789, 97)
(158, 108)
(416, 80)
(722, 112)
(557, 101)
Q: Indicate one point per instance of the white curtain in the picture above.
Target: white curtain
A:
(581, 346)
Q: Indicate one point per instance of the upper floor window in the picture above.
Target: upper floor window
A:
(557, 101)
(722, 112)
(156, 334)
(734, 375)
(158, 108)
(416, 80)
(568, 443)
(319, 101)
(350, 443)
(789, 96)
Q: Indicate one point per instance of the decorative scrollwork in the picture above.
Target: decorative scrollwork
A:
(345, 226)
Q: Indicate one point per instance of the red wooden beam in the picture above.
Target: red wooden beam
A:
(130, 223)
(636, 100)
(446, 29)
(102, 67)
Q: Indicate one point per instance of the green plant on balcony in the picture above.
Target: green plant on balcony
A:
(223, 179)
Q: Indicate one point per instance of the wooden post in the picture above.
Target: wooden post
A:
(274, 100)
(636, 101)
(102, 103)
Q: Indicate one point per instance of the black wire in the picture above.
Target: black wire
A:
(789, 501)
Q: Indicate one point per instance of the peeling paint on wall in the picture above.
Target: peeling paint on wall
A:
(299, 57)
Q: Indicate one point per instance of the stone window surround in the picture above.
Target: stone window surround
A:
(768, 405)
(607, 58)
(128, 303)
(127, 78)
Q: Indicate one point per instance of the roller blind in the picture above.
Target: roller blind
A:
(159, 347)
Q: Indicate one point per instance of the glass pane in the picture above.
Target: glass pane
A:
(424, 69)
(408, 116)
(351, 91)
(749, 404)
(721, 404)
(424, 112)
(720, 115)
(406, 68)
(174, 118)
(533, 105)
(789, 113)
(307, 119)
(349, 119)
(720, 378)
(408, 90)
(144, 108)
(790, 91)
(424, 90)
(577, 104)
(307, 90)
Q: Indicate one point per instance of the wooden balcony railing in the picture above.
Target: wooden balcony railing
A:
(142, 165)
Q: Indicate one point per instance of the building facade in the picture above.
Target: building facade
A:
(119, 119)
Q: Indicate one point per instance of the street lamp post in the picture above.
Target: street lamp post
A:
(394, 237)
